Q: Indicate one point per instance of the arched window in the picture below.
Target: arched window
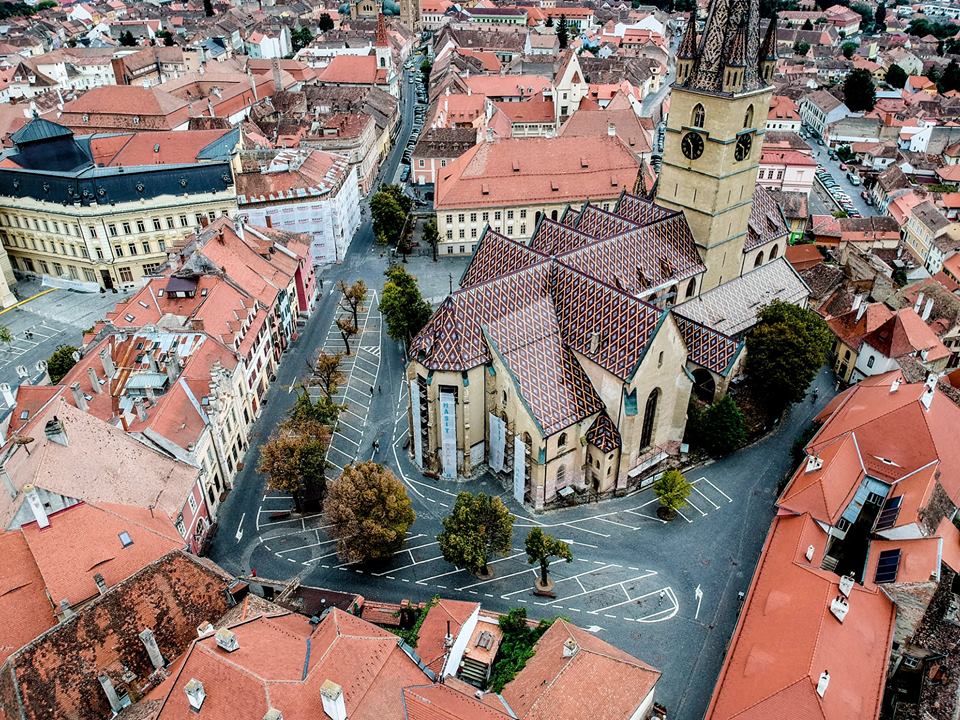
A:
(748, 118)
(562, 440)
(759, 261)
(649, 418)
(692, 287)
(660, 360)
(561, 474)
(774, 251)
(846, 355)
(553, 215)
(870, 361)
(698, 116)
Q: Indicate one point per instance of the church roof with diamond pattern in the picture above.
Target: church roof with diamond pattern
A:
(536, 307)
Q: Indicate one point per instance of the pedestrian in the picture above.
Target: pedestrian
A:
(662, 593)
(379, 390)
(371, 391)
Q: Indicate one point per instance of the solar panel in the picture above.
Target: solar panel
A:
(889, 513)
(887, 566)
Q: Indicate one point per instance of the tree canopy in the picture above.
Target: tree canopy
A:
(950, 79)
(785, 350)
(720, 428)
(477, 527)
(859, 93)
(301, 37)
(867, 16)
(848, 49)
(541, 548)
(563, 33)
(322, 410)
(402, 305)
(294, 460)
(389, 208)
(921, 27)
(369, 511)
(801, 48)
(325, 23)
(896, 76)
(60, 362)
(353, 296)
(672, 490)
(327, 374)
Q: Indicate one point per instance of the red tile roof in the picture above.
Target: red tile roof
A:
(354, 70)
(433, 630)
(906, 334)
(25, 607)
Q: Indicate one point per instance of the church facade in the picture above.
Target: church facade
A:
(565, 364)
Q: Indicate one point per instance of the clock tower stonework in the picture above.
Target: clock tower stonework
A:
(718, 112)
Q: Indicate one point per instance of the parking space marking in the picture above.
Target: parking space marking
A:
(645, 575)
(729, 499)
(697, 491)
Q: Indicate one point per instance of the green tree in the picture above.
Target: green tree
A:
(127, 39)
(478, 526)
(301, 37)
(60, 362)
(866, 14)
(859, 93)
(801, 48)
(563, 33)
(431, 236)
(549, 22)
(672, 490)
(848, 49)
(426, 67)
(347, 329)
(389, 208)
(541, 548)
(369, 511)
(880, 18)
(402, 305)
(516, 648)
(807, 25)
(785, 350)
(322, 410)
(208, 8)
(950, 80)
(5, 335)
(294, 460)
(354, 296)
(325, 23)
(327, 374)
(896, 76)
(168, 40)
(722, 428)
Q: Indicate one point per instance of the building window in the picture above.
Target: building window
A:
(649, 418)
(449, 219)
(496, 215)
(132, 247)
(156, 224)
(88, 275)
(58, 269)
(562, 440)
(523, 214)
(523, 228)
(870, 361)
(146, 247)
(192, 502)
(473, 217)
(126, 228)
(443, 163)
(461, 217)
(112, 229)
(449, 234)
(44, 267)
(170, 225)
(92, 230)
(509, 214)
(461, 233)
(99, 253)
(151, 269)
(473, 232)
(759, 261)
(692, 287)
(141, 228)
(118, 250)
(485, 217)
(748, 118)
(774, 251)
(420, 162)
(698, 116)
(183, 221)
(126, 275)
(561, 475)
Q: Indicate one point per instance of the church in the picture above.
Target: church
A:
(564, 365)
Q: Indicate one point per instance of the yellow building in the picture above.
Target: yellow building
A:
(103, 210)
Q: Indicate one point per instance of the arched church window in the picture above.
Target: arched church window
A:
(649, 418)
(692, 287)
(759, 261)
(698, 116)
(748, 118)
(562, 440)
(561, 474)
(774, 251)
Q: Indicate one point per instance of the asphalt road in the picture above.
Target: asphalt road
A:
(667, 593)
(840, 176)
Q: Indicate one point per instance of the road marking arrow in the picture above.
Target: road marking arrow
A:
(698, 594)
(593, 629)
(239, 534)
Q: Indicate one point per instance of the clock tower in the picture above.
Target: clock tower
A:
(718, 112)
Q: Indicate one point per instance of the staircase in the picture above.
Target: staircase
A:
(473, 672)
(829, 563)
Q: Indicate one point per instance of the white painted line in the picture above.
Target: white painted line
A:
(304, 547)
(629, 599)
(697, 491)
(239, 534)
(614, 522)
(729, 499)
(694, 506)
(404, 567)
(499, 577)
(599, 589)
(684, 516)
(577, 527)
(646, 517)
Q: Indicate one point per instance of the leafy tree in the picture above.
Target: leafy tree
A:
(880, 17)
(431, 236)
(845, 153)
(354, 296)
(801, 48)
(541, 547)
(369, 511)
(322, 410)
(516, 647)
(770, 8)
(327, 374)
(866, 14)
(859, 93)
(402, 305)
(478, 526)
(294, 460)
(785, 349)
(347, 329)
(848, 49)
(208, 8)
(389, 208)
(672, 490)
(5, 335)
(301, 37)
(426, 67)
(896, 76)
(168, 40)
(950, 80)
(563, 33)
(921, 27)
(807, 25)
(325, 23)
(549, 22)
(60, 362)
(127, 39)
(722, 429)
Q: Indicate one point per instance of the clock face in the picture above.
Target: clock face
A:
(692, 145)
(744, 143)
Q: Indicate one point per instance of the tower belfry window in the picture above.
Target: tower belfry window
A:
(748, 118)
(698, 116)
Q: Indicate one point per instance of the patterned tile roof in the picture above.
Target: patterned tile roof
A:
(603, 434)
(498, 255)
(706, 347)
(766, 220)
(601, 223)
(641, 210)
(553, 238)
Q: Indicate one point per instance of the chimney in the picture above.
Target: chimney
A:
(195, 693)
(227, 640)
(895, 385)
(55, 432)
(861, 310)
(205, 630)
(918, 303)
(809, 554)
(100, 583)
(489, 134)
(65, 610)
(814, 463)
(94, 381)
(153, 650)
(823, 682)
(931, 387)
(36, 506)
(927, 309)
(334, 704)
(108, 367)
(213, 113)
(78, 397)
(7, 394)
(448, 638)
(839, 607)
(594, 342)
(277, 81)
(268, 220)
(273, 714)
(173, 365)
(846, 584)
(141, 410)
(107, 684)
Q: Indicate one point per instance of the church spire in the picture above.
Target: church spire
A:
(687, 51)
(768, 52)
(381, 40)
(727, 56)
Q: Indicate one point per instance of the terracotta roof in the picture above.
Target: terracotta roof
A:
(603, 434)
(451, 700)
(355, 70)
(152, 148)
(430, 642)
(852, 327)
(27, 611)
(803, 257)
(552, 686)
(528, 111)
(906, 334)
